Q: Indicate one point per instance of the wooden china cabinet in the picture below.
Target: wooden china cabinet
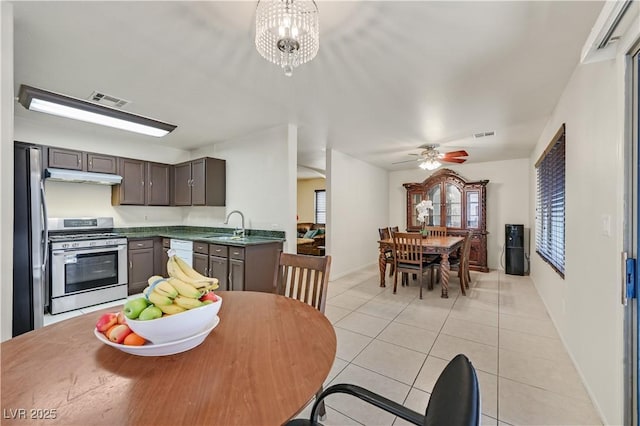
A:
(458, 204)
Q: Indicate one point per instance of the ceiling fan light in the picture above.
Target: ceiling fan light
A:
(429, 164)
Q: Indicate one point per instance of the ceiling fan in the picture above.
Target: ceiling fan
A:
(430, 158)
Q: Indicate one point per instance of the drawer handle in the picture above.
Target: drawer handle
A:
(236, 253)
(218, 250)
(140, 244)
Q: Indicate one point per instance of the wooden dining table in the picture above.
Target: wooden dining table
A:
(443, 246)
(261, 365)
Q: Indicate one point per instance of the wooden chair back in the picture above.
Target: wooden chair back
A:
(304, 278)
(437, 231)
(384, 233)
(393, 230)
(408, 249)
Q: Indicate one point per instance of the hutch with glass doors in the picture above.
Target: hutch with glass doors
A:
(458, 204)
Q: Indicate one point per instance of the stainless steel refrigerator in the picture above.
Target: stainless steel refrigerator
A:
(30, 248)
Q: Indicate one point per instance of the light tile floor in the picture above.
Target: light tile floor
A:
(397, 345)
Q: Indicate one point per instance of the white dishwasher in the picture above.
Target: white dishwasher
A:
(183, 249)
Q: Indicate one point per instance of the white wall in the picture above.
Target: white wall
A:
(585, 305)
(307, 198)
(357, 205)
(260, 182)
(6, 170)
(507, 197)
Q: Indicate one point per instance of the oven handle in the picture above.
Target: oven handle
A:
(85, 250)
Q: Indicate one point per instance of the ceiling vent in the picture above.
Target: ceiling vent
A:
(108, 100)
(483, 134)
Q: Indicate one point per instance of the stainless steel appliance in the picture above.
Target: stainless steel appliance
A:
(29, 240)
(88, 263)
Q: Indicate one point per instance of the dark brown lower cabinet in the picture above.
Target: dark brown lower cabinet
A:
(236, 275)
(141, 264)
(201, 263)
(219, 269)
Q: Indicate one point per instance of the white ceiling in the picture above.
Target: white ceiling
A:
(389, 76)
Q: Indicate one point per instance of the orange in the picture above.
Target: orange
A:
(134, 340)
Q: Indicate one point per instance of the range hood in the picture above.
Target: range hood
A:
(82, 177)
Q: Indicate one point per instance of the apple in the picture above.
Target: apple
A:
(118, 332)
(151, 312)
(121, 318)
(209, 296)
(106, 321)
(133, 307)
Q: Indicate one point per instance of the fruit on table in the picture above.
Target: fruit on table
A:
(209, 296)
(187, 302)
(118, 333)
(171, 309)
(106, 321)
(178, 268)
(186, 290)
(122, 319)
(161, 286)
(133, 307)
(134, 339)
(150, 313)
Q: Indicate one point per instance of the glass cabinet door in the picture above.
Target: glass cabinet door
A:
(454, 206)
(473, 209)
(434, 195)
(416, 198)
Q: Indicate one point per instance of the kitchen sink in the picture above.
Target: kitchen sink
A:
(226, 237)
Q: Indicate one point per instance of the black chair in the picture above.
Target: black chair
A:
(455, 400)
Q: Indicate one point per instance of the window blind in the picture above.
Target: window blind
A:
(321, 206)
(550, 202)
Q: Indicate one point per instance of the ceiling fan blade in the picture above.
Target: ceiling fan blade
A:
(461, 153)
(453, 160)
(405, 161)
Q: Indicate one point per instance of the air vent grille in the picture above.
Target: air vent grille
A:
(108, 100)
(483, 134)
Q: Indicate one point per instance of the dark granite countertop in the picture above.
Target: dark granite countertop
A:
(209, 235)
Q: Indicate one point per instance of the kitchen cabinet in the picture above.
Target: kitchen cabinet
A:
(100, 163)
(201, 257)
(200, 182)
(143, 183)
(59, 158)
(141, 265)
(164, 257)
(458, 204)
(249, 268)
(66, 159)
(158, 191)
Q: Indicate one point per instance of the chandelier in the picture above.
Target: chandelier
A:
(287, 32)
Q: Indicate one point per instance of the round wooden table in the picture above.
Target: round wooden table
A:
(260, 366)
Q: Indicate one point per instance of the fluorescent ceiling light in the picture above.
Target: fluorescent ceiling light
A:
(64, 106)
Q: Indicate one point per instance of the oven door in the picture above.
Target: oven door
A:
(81, 270)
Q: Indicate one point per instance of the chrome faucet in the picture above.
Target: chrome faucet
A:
(237, 232)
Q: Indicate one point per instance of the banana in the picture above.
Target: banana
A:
(158, 299)
(174, 271)
(171, 309)
(187, 302)
(190, 272)
(209, 287)
(185, 289)
(162, 286)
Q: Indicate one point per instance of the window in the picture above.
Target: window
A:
(550, 178)
(321, 206)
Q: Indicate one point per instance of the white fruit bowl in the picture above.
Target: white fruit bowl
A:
(171, 328)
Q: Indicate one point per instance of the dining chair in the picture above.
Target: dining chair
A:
(436, 231)
(409, 256)
(304, 278)
(454, 401)
(385, 234)
(393, 230)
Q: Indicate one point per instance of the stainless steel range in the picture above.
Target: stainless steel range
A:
(88, 263)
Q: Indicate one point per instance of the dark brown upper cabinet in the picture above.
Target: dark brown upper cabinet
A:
(100, 163)
(158, 184)
(66, 159)
(200, 182)
(143, 183)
